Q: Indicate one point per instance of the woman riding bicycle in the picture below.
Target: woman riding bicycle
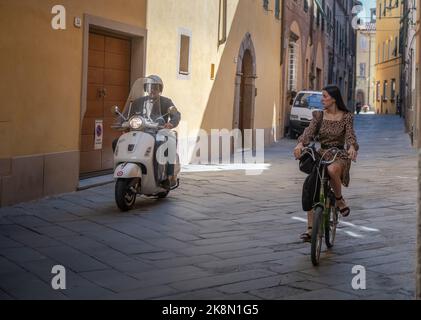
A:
(335, 126)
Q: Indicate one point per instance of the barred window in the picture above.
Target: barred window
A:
(292, 67)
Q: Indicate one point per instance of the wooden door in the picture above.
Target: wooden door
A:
(108, 85)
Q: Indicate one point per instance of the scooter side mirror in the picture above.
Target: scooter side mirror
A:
(115, 110)
(172, 110)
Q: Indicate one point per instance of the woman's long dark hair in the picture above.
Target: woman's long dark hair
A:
(335, 93)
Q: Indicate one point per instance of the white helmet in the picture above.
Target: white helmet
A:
(154, 79)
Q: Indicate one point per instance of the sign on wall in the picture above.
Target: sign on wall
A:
(99, 133)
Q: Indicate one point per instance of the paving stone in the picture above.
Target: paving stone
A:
(204, 294)
(246, 286)
(73, 259)
(276, 293)
(26, 286)
(322, 294)
(112, 280)
(165, 276)
(21, 255)
(216, 280)
(6, 242)
(142, 294)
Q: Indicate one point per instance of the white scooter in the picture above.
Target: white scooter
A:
(137, 171)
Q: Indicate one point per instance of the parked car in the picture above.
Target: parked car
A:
(302, 111)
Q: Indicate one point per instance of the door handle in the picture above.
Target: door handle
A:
(101, 92)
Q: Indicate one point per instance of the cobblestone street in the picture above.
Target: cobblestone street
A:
(223, 234)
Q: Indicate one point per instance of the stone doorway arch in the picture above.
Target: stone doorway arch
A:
(361, 97)
(245, 88)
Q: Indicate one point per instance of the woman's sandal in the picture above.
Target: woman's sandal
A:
(345, 211)
(306, 236)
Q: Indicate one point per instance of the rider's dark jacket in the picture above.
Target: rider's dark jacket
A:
(160, 108)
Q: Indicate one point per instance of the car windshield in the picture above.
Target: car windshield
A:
(309, 100)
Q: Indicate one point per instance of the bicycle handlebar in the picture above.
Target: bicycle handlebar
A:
(334, 150)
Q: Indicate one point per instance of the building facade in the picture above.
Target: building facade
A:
(388, 60)
(366, 65)
(342, 57)
(63, 67)
(417, 131)
(304, 43)
(407, 49)
(220, 63)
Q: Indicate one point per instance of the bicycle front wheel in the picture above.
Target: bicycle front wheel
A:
(317, 236)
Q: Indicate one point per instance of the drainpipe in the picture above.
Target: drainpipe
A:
(282, 84)
(418, 258)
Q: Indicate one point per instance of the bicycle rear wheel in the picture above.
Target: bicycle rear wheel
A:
(330, 227)
(317, 236)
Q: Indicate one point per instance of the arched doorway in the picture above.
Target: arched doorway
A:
(361, 97)
(245, 93)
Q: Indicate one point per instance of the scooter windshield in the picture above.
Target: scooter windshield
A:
(144, 100)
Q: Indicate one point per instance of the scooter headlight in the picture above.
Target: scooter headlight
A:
(136, 123)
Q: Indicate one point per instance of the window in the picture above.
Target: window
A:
(363, 43)
(385, 90)
(362, 69)
(384, 51)
(388, 49)
(292, 66)
(328, 20)
(393, 90)
(305, 5)
(378, 90)
(395, 49)
(266, 5)
(184, 68)
(318, 17)
(277, 9)
(319, 79)
(222, 23)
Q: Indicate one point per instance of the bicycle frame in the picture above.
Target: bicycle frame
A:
(326, 198)
(322, 224)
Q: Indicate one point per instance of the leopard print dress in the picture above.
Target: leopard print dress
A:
(333, 133)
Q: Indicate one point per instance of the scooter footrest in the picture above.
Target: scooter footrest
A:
(176, 186)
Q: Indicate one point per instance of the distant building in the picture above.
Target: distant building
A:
(319, 48)
(388, 60)
(366, 65)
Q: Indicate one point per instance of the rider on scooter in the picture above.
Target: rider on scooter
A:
(156, 108)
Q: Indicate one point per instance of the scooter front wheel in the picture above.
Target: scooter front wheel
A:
(124, 196)
(163, 195)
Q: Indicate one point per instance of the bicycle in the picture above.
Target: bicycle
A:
(325, 212)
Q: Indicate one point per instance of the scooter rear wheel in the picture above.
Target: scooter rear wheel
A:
(124, 197)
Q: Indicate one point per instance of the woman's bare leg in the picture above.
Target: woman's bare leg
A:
(309, 220)
(335, 172)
